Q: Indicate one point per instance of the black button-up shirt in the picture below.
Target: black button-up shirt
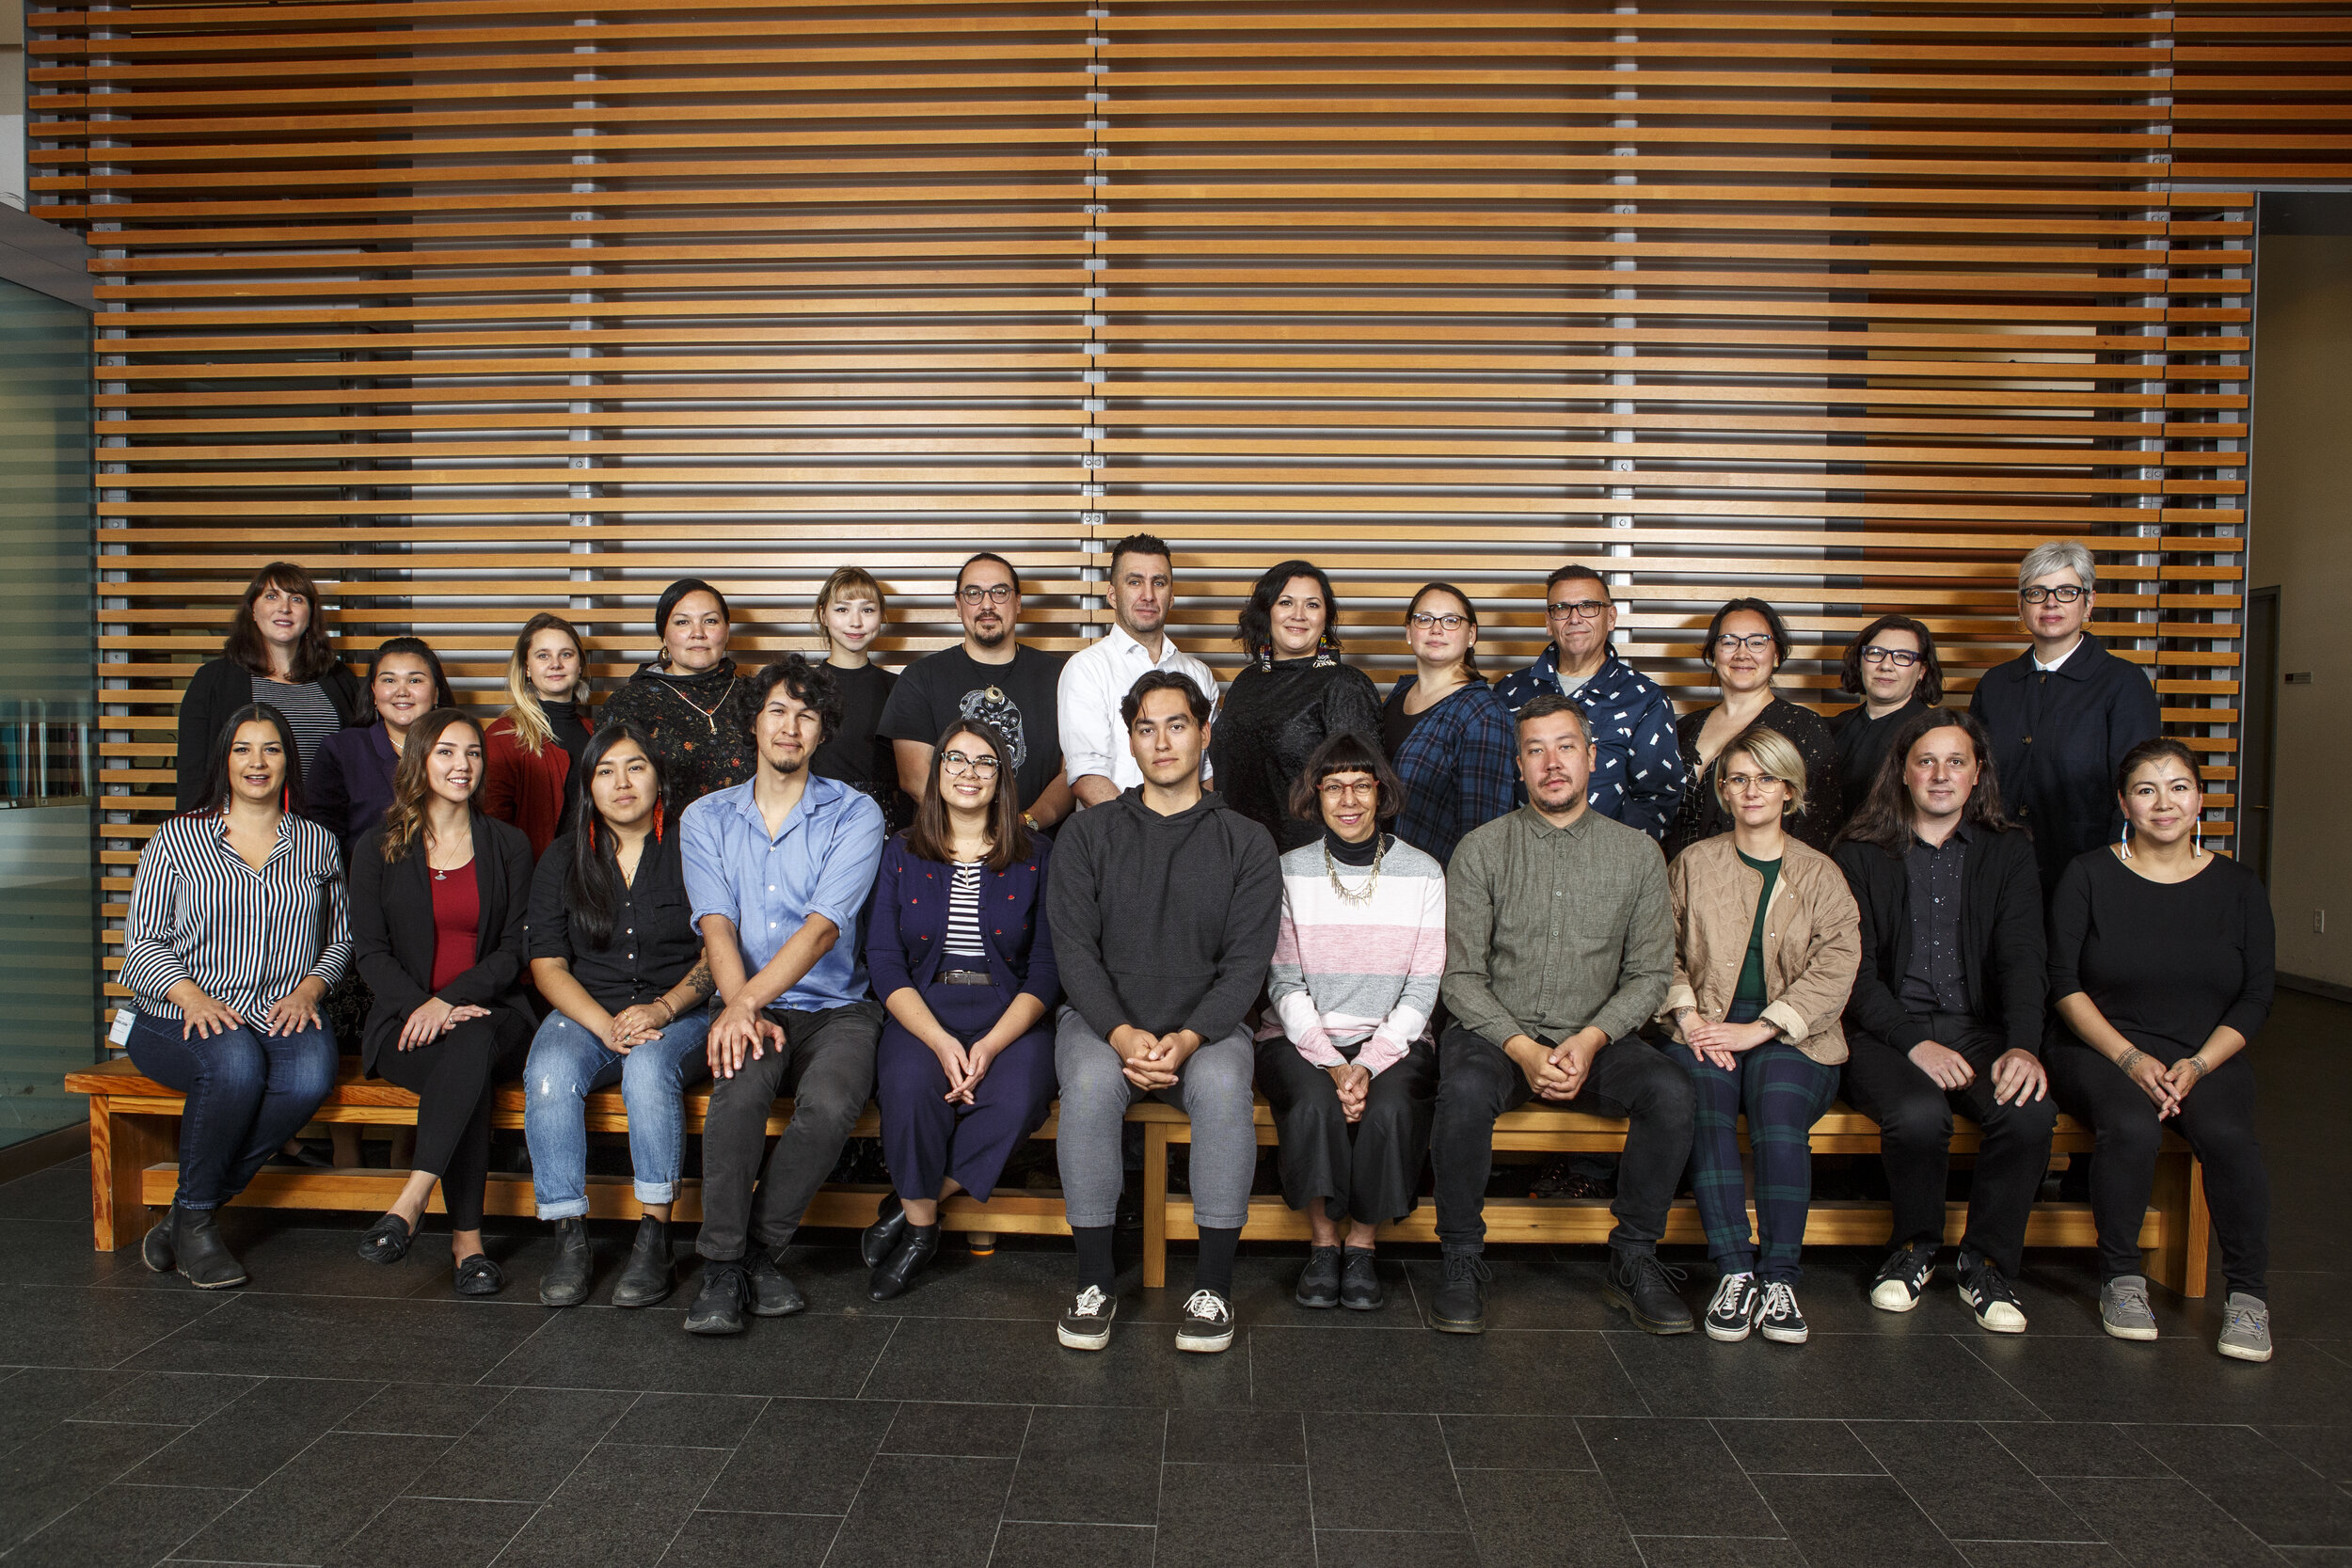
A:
(1936, 980)
(654, 941)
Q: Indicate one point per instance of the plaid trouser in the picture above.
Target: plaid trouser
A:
(1784, 1092)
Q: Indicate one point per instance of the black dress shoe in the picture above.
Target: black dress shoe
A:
(649, 1273)
(1359, 1282)
(573, 1272)
(1460, 1305)
(1645, 1287)
(719, 1307)
(387, 1241)
(882, 1236)
(479, 1277)
(773, 1294)
(202, 1257)
(915, 1248)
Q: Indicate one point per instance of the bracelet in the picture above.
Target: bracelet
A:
(2132, 1057)
(1032, 823)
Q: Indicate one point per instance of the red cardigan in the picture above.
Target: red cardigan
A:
(522, 789)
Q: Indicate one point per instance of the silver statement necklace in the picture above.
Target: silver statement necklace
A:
(1355, 895)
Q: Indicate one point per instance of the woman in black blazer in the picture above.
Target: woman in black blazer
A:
(438, 893)
(277, 653)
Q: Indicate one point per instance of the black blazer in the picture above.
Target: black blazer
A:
(219, 689)
(2004, 951)
(391, 927)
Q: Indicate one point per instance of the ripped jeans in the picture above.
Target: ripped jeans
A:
(567, 1062)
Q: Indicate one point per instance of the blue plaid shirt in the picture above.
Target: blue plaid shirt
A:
(1460, 765)
(1637, 768)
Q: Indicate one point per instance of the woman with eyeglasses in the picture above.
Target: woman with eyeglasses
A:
(2062, 714)
(1892, 667)
(1291, 696)
(691, 700)
(959, 954)
(1448, 735)
(1746, 642)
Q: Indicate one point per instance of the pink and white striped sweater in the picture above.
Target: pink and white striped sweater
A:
(1356, 974)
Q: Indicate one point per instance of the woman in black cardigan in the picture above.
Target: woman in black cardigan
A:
(277, 653)
(1747, 643)
(439, 897)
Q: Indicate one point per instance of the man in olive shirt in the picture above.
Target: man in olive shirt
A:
(1559, 946)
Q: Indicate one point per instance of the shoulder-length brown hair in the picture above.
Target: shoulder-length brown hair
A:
(927, 836)
(1884, 818)
(403, 819)
(313, 656)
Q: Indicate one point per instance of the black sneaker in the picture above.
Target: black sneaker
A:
(1208, 1325)
(1319, 1281)
(1645, 1287)
(1782, 1323)
(1359, 1282)
(773, 1294)
(719, 1306)
(1903, 1278)
(1991, 1298)
(1085, 1323)
(1460, 1305)
(1732, 1313)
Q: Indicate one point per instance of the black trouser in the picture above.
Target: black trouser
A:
(1915, 1120)
(826, 1064)
(452, 1078)
(1370, 1170)
(2216, 1119)
(1477, 1082)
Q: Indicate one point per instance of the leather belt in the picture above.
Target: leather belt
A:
(963, 977)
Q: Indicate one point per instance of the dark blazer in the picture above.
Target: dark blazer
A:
(907, 922)
(2058, 739)
(350, 784)
(217, 689)
(2004, 951)
(391, 927)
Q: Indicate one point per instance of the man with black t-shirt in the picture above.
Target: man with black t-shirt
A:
(991, 678)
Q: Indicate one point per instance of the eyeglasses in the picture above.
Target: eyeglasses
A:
(980, 768)
(1738, 783)
(1581, 610)
(1901, 658)
(1756, 643)
(1420, 620)
(1342, 789)
(995, 593)
(2038, 595)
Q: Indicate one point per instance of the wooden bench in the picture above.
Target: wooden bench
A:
(134, 1141)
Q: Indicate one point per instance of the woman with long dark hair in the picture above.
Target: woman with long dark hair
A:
(691, 700)
(352, 784)
(1293, 695)
(962, 959)
(1452, 741)
(1746, 643)
(535, 745)
(615, 954)
(276, 652)
(237, 926)
(437, 895)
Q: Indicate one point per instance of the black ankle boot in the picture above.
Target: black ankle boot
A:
(649, 1273)
(1460, 1305)
(203, 1258)
(567, 1279)
(917, 1244)
(155, 1246)
(876, 1243)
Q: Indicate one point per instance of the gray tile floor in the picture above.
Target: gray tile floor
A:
(334, 1412)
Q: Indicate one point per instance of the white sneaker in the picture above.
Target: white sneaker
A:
(1208, 1324)
(1732, 1313)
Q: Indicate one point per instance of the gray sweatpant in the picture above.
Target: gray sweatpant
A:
(1213, 1088)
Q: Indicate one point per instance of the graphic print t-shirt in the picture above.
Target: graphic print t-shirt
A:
(1018, 697)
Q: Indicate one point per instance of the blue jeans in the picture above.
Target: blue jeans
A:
(567, 1062)
(247, 1093)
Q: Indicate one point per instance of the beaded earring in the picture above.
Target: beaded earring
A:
(2126, 853)
(2197, 839)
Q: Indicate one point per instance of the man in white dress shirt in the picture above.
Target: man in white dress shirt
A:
(1095, 755)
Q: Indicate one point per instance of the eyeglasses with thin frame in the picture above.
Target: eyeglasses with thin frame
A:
(995, 592)
(2064, 593)
(1343, 789)
(1421, 620)
(980, 768)
(1754, 643)
(1901, 658)
(1578, 609)
(1738, 783)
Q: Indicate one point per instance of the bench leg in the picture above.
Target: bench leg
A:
(345, 1138)
(2179, 1262)
(122, 1146)
(1154, 1205)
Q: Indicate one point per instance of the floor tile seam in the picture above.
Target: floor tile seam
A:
(2169, 1473)
(767, 1512)
(1626, 1373)
(1078, 1523)
(1913, 1498)
(1968, 1348)
(2224, 1510)
(222, 1305)
(874, 1366)
(546, 1320)
(2029, 1540)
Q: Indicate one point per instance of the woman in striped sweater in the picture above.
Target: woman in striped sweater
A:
(1345, 1056)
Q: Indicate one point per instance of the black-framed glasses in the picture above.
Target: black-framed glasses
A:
(1755, 642)
(980, 768)
(1901, 658)
(1420, 620)
(1576, 609)
(995, 593)
(2064, 593)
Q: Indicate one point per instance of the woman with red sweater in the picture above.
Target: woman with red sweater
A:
(531, 747)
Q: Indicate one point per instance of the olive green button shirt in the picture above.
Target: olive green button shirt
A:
(1550, 930)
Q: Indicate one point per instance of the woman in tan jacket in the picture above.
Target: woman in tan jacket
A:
(1767, 941)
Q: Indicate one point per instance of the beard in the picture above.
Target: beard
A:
(992, 638)
(786, 767)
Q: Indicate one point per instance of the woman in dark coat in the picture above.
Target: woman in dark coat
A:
(1747, 643)
(276, 652)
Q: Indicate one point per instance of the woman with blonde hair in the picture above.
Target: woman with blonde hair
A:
(850, 614)
(1768, 940)
(531, 748)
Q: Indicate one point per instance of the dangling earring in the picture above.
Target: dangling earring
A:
(592, 836)
(657, 821)
(1326, 649)
(285, 797)
(2126, 851)
(1265, 656)
(2197, 839)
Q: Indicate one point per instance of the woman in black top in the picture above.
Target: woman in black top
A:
(1293, 696)
(850, 609)
(691, 702)
(277, 653)
(614, 951)
(2161, 961)
(437, 892)
(1746, 642)
(1892, 667)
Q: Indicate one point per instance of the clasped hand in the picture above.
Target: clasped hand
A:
(964, 1064)
(1352, 1084)
(434, 1019)
(1151, 1061)
(1557, 1071)
(632, 1027)
(1719, 1042)
(2018, 1076)
(740, 1033)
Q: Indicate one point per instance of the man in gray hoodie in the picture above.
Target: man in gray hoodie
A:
(1164, 905)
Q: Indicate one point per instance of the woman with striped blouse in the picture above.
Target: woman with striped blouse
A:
(238, 926)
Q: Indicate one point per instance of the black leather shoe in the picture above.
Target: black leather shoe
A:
(202, 1257)
(881, 1237)
(479, 1276)
(387, 1241)
(1359, 1282)
(1460, 1305)
(773, 1294)
(155, 1246)
(1645, 1287)
(649, 1274)
(719, 1306)
(1319, 1281)
(574, 1269)
(915, 1248)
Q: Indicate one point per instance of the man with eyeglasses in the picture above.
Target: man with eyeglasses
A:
(1637, 773)
(2062, 714)
(991, 678)
(1097, 677)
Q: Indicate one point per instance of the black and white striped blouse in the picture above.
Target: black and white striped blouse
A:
(309, 713)
(963, 916)
(246, 937)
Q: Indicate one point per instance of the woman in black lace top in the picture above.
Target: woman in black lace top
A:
(1294, 694)
(692, 702)
(1746, 645)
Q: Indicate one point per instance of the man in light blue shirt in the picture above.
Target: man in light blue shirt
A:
(777, 871)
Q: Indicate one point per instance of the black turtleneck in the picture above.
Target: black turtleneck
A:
(1352, 854)
(570, 734)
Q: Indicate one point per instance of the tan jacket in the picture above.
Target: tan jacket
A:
(1812, 941)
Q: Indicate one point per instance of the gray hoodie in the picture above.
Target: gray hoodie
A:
(1165, 923)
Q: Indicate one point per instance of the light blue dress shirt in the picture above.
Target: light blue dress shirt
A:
(821, 862)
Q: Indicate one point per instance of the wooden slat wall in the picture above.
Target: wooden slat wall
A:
(483, 306)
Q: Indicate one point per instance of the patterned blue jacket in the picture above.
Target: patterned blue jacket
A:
(1637, 768)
